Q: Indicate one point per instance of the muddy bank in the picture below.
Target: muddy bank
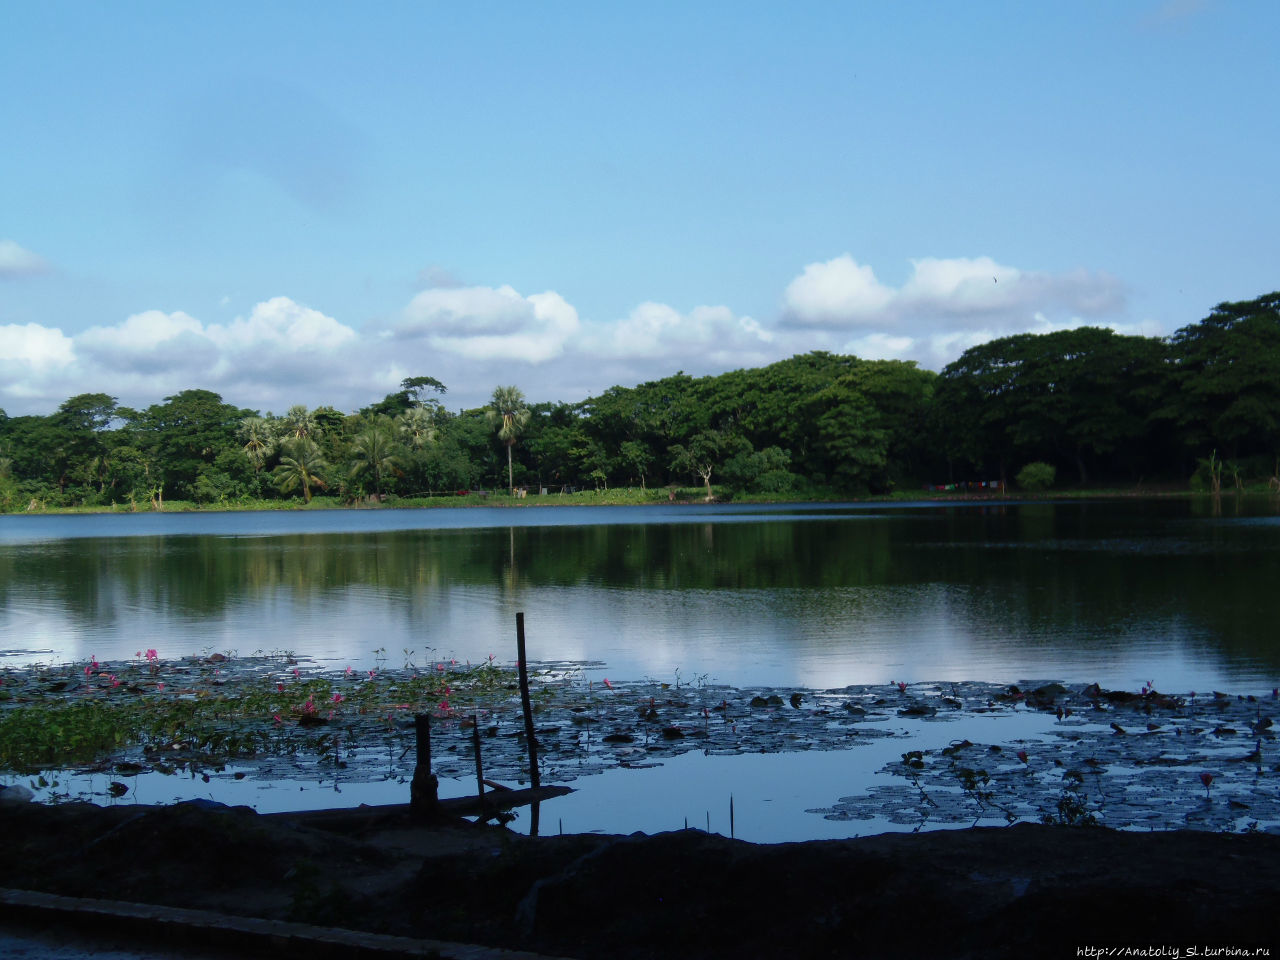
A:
(1022, 890)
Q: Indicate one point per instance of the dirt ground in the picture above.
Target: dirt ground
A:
(1025, 890)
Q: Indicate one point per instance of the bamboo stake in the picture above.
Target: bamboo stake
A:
(532, 741)
(475, 742)
(424, 788)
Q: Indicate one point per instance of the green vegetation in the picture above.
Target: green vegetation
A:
(1036, 476)
(1200, 408)
(213, 710)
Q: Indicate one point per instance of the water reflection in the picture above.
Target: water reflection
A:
(1113, 592)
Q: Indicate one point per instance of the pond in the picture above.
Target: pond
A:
(1175, 593)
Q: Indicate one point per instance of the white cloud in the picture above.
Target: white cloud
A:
(17, 262)
(484, 323)
(283, 352)
(843, 294)
(282, 324)
(838, 293)
(657, 331)
(36, 347)
(944, 307)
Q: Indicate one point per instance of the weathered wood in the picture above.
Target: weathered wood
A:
(353, 819)
(529, 733)
(475, 743)
(424, 788)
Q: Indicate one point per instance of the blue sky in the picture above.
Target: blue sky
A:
(304, 203)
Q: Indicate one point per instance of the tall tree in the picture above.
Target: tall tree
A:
(1228, 378)
(508, 414)
(258, 441)
(374, 453)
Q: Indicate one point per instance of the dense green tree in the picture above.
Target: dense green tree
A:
(1227, 376)
(1071, 397)
(184, 434)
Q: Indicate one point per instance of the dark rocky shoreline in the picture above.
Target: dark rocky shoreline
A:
(1024, 890)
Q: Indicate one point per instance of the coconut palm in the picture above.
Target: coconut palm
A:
(373, 452)
(508, 415)
(300, 466)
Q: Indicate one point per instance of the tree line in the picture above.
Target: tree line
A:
(1089, 405)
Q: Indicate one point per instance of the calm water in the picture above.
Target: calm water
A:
(824, 596)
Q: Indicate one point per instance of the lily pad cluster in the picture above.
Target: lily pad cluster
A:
(1113, 758)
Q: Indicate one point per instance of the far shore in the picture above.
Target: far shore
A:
(631, 497)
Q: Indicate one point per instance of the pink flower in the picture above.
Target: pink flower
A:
(607, 683)
(1207, 780)
(160, 687)
(440, 667)
(280, 688)
(372, 673)
(296, 672)
(337, 698)
(1022, 755)
(138, 654)
(276, 718)
(348, 671)
(902, 687)
(152, 655)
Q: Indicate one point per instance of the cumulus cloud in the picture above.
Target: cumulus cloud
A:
(17, 262)
(945, 306)
(490, 323)
(282, 352)
(843, 294)
(659, 331)
(838, 293)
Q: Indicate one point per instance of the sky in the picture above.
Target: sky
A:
(305, 203)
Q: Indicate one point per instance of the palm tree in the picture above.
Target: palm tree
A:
(300, 422)
(508, 415)
(300, 465)
(374, 452)
(416, 427)
(258, 441)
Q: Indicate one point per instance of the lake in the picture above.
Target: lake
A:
(1116, 592)
(1119, 592)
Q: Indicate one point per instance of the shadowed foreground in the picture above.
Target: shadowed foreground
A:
(1026, 890)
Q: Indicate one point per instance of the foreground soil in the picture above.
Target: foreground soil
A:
(1025, 890)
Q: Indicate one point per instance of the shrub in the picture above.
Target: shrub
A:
(1036, 476)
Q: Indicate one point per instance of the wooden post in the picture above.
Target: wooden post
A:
(475, 742)
(424, 788)
(522, 665)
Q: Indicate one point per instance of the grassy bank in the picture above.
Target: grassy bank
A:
(637, 497)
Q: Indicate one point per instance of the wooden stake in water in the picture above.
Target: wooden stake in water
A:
(424, 788)
(731, 816)
(475, 742)
(522, 662)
